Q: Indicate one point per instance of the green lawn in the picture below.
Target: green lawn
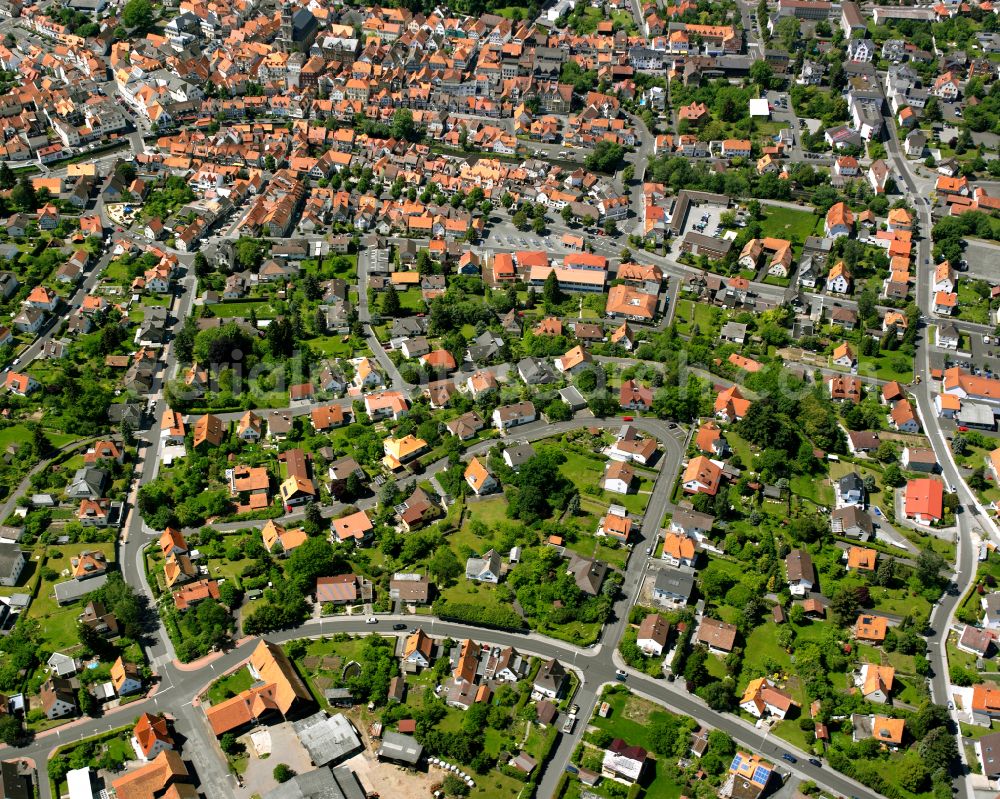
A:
(786, 223)
(230, 686)
(971, 306)
(513, 12)
(411, 300)
(117, 272)
(472, 592)
(788, 730)
(488, 511)
(242, 309)
(496, 786)
(16, 433)
(630, 718)
(331, 346)
(887, 366)
(344, 266)
(688, 313)
(812, 487)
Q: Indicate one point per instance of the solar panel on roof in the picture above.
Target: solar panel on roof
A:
(736, 763)
(761, 775)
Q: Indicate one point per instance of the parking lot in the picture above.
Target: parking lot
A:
(981, 256)
(704, 219)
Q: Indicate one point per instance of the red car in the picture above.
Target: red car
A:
(626, 418)
(963, 429)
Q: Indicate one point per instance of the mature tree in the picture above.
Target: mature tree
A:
(886, 572)
(11, 732)
(313, 558)
(280, 338)
(762, 74)
(282, 773)
(24, 197)
(929, 567)
(893, 476)
(845, 605)
(718, 696)
(938, 749)
(86, 701)
(390, 301)
(695, 670)
(7, 179)
(454, 786)
(402, 126)
(444, 565)
(929, 716)
(604, 157)
(137, 14)
(551, 293)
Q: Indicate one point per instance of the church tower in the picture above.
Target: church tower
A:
(286, 31)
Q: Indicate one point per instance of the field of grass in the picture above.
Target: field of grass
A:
(513, 12)
(331, 346)
(344, 266)
(488, 511)
(813, 487)
(630, 718)
(242, 309)
(411, 300)
(230, 686)
(971, 306)
(787, 223)
(688, 313)
(886, 366)
(472, 592)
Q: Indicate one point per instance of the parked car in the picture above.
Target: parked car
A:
(790, 758)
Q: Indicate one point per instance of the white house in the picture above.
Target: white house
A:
(486, 569)
(800, 572)
(763, 698)
(652, 635)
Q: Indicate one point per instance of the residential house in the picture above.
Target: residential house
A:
(652, 635)
(485, 569)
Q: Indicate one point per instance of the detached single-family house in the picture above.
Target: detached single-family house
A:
(486, 569)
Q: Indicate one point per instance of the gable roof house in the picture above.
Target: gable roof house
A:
(762, 697)
(875, 682)
(277, 690)
(487, 569)
(800, 571)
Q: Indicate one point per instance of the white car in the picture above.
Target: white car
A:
(371, 620)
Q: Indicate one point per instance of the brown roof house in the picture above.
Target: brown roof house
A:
(718, 636)
(409, 588)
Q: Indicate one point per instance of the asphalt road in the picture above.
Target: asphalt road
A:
(973, 521)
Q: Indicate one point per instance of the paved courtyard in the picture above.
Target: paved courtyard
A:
(284, 747)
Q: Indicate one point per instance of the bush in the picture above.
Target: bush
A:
(500, 618)
(282, 773)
